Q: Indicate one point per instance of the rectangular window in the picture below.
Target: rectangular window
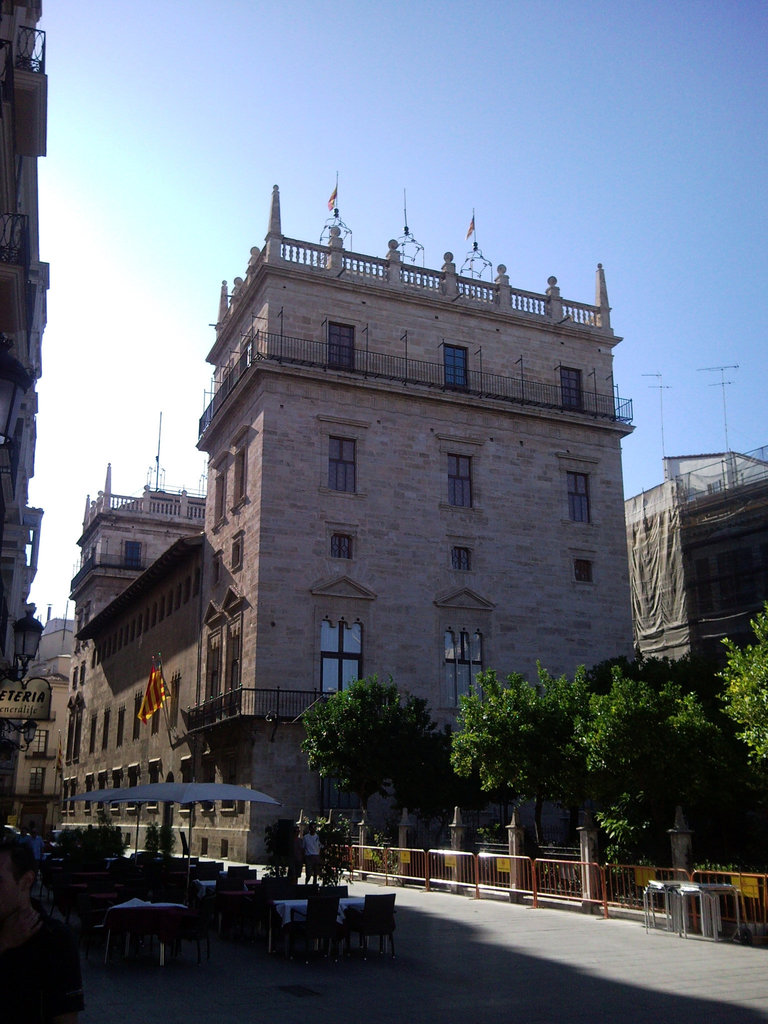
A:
(578, 497)
(570, 387)
(132, 554)
(240, 475)
(460, 480)
(120, 726)
(341, 545)
(137, 699)
(220, 497)
(460, 558)
(341, 346)
(341, 647)
(582, 570)
(237, 552)
(233, 660)
(37, 780)
(213, 666)
(105, 730)
(455, 366)
(463, 660)
(92, 739)
(40, 742)
(341, 464)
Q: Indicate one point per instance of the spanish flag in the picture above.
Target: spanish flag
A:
(471, 228)
(333, 197)
(156, 694)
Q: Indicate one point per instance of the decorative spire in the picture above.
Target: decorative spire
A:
(601, 298)
(274, 214)
(223, 302)
(108, 481)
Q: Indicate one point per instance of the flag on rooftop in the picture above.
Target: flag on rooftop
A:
(471, 228)
(333, 197)
(156, 695)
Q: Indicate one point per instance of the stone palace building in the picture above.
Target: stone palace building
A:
(413, 473)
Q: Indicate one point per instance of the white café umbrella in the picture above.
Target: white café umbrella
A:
(178, 793)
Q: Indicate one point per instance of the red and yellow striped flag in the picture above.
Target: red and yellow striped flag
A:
(60, 758)
(471, 228)
(156, 694)
(333, 197)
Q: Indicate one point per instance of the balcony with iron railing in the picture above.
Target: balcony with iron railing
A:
(274, 705)
(30, 88)
(261, 346)
(14, 271)
(108, 563)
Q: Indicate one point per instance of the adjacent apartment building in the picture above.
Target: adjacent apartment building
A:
(412, 473)
(23, 287)
(698, 552)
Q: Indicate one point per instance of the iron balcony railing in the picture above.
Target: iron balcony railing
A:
(107, 562)
(30, 50)
(264, 346)
(245, 702)
(14, 239)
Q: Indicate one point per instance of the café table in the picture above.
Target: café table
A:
(284, 909)
(707, 895)
(137, 917)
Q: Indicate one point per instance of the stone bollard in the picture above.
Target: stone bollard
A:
(682, 847)
(404, 831)
(516, 841)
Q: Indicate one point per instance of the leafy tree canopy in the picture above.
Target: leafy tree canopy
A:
(746, 688)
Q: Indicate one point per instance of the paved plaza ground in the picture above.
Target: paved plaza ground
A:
(458, 959)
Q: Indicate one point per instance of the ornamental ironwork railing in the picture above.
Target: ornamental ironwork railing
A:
(263, 345)
(14, 239)
(30, 50)
(275, 705)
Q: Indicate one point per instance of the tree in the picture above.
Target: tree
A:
(367, 738)
(647, 750)
(523, 739)
(746, 690)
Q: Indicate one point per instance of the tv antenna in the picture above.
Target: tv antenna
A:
(721, 370)
(661, 389)
(410, 249)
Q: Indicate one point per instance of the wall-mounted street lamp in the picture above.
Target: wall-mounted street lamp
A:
(18, 735)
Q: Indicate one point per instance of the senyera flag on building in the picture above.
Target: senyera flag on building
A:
(157, 692)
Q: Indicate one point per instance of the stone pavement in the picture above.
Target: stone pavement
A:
(458, 959)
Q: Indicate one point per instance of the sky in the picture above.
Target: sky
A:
(631, 134)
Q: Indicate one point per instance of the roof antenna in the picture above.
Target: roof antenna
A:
(409, 247)
(723, 382)
(662, 388)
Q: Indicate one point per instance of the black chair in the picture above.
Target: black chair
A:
(199, 929)
(91, 920)
(376, 918)
(320, 925)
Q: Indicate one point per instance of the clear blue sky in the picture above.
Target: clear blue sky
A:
(631, 134)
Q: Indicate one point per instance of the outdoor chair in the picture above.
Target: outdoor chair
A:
(198, 930)
(320, 925)
(376, 918)
(91, 920)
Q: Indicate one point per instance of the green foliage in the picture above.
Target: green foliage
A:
(523, 740)
(277, 864)
(647, 750)
(105, 840)
(152, 839)
(746, 690)
(373, 740)
(335, 842)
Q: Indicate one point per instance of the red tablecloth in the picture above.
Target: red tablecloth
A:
(163, 920)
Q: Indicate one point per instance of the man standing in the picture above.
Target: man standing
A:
(52, 993)
(311, 844)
